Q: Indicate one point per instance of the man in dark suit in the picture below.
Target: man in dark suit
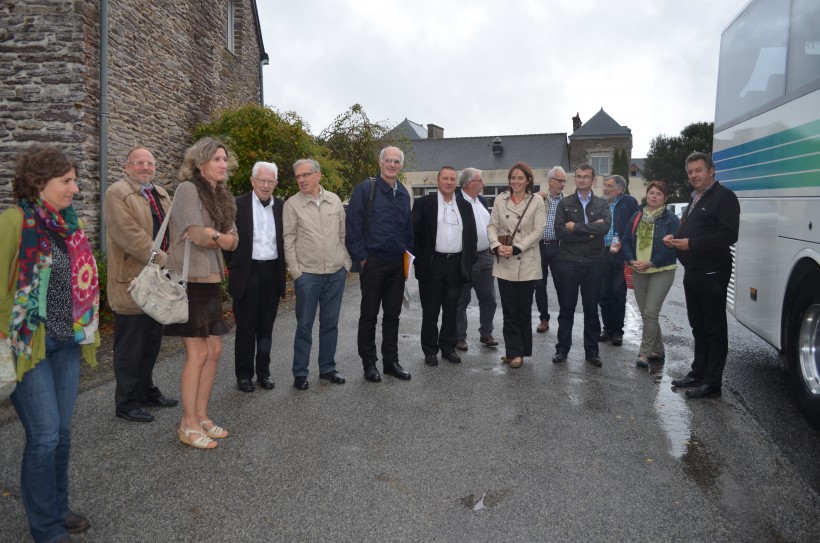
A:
(256, 276)
(445, 243)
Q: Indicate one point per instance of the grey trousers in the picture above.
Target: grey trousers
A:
(484, 284)
(650, 292)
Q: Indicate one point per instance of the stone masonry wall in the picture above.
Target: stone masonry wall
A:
(581, 149)
(169, 70)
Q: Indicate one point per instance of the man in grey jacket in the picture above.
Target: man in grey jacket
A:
(581, 221)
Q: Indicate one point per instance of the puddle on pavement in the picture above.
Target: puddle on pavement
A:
(484, 500)
(674, 416)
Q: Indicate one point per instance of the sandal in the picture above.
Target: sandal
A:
(516, 362)
(214, 431)
(657, 357)
(202, 442)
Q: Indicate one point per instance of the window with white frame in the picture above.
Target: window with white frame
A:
(229, 37)
(601, 163)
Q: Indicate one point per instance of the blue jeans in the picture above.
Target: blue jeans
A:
(587, 277)
(325, 292)
(44, 401)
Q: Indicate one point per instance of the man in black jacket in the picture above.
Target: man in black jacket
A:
(708, 229)
(581, 221)
(445, 242)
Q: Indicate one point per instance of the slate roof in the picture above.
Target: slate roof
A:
(601, 125)
(639, 163)
(537, 150)
(409, 129)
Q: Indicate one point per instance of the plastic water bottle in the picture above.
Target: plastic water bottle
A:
(615, 244)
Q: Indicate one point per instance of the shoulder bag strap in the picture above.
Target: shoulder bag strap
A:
(521, 218)
(158, 242)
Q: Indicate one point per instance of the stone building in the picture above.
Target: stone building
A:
(170, 66)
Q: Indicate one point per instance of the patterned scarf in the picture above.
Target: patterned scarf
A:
(35, 269)
(646, 226)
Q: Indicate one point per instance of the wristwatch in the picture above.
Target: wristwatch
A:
(215, 236)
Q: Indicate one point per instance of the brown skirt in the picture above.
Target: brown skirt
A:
(205, 316)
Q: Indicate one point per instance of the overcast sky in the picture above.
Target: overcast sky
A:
(503, 67)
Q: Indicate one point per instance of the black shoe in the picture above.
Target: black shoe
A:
(265, 382)
(559, 357)
(136, 415)
(660, 358)
(245, 385)
(595, 360)
(300, 383)
(431, 360)
(703, 391)
(396, 371)
(686, 382)
(642, 362)
(605, 336)
(161, 401)
(452, 357)
(372, 374)
(333, 376)
(461, 345)
(76, 522)
(618, 340)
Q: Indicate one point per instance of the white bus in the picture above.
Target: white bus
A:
(767, 150)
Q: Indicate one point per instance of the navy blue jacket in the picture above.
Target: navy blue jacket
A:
(390, 226)
(626, 208)
(667, 223)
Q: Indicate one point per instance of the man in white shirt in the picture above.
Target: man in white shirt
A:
(481, 277)
(445, 244)
(256, 276)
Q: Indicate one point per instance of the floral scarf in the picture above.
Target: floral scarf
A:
(35, 269)
(646, 227)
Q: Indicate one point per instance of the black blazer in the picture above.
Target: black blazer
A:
(239, 261)
(425, 226)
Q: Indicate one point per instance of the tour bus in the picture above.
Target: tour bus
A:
(767, 150)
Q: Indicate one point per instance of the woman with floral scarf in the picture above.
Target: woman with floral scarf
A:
(653, 265)
(49, 301)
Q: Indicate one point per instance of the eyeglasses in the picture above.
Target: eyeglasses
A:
(395, 161)
(587, 177)
(557, 180)
(450, 215)
(141, 163)
(303, 175)
(265, 181)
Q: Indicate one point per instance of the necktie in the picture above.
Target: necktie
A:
(155, 210)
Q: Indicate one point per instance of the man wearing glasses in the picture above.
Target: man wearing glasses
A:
(445, 243)
(256, 276)
(581, 221)
(133, 212)
(556, 179)
(378, 231)
(318, 263)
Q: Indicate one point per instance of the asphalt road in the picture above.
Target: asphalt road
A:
(469, 452)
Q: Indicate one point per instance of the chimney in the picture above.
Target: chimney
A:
(498, 146)
(435, 132)
(576, 122)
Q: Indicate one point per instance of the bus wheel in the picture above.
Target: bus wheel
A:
(804, 347)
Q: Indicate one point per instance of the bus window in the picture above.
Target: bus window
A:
(804, 46)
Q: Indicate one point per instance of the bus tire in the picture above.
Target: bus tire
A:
(803, 348)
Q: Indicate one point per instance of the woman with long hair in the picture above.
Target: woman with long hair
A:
(49, 303)
(516, 226)
(203, 213)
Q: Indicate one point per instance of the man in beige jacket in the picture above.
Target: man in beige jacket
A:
(133, 211)
(314, 222)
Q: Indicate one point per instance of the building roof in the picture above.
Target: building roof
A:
(409, 129)
(537, 150)
(601, 125)
(639, 163)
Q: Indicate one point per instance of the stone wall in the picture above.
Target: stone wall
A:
(169, 70)
(581, 149)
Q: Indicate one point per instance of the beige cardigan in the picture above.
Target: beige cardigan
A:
(525, 266)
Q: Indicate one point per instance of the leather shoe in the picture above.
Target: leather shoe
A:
(75, 523)
(642, 362)
(605, 336)
(265, 382)
(301, 383)
(333, 376)
(245, 385)
(543, 326)
(489, 341)
(595, 360)
(136, 415)
(461, 345)
(372, 374)
(618, 340)
(397, 371)
(559, 357)
(686, 382)
(703, 391)
(452, 357)
(161, 401)
(431, 359)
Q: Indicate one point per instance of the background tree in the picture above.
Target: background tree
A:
(620, 166)
(255, 133)
(666, 157)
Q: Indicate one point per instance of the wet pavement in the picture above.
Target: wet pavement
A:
(469, 452)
